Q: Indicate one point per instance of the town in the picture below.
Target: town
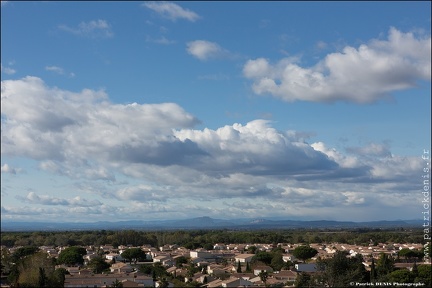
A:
(216, 265)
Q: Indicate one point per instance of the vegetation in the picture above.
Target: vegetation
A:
(202, 238)
(72, 256)
(27, 266)
(304, 252)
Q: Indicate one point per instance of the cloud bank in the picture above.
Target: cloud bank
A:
(149, 157)
(361, 75)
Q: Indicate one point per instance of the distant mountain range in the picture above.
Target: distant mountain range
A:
(205, 223)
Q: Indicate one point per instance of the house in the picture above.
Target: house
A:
(244, 258)
(288, 257)
(259, 269)
(99, 280)
(215, 270)
(285, 275)
(161, 258)
(121, 268)
(218, 246)
(306, 267)
(114, 256)
(236, 282)
(200, 254)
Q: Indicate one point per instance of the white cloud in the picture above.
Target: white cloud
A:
(5, 168)
(172, 11)
(77, 201)
(55, 69)
(83, 136)
(361, 75)
(7, 70)
(93, 29)
(204, 50)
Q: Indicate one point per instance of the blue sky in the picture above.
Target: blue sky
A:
(167, 110)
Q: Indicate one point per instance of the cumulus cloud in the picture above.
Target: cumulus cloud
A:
(362, 75)
(172, 11)
(83, 136)
(7, 70)
(256, 148)
(204, 50)
(33, 198)
(5, 168)
(50, 124)
(93, 29)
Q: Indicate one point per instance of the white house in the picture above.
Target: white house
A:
(244, 258)
(306, 267)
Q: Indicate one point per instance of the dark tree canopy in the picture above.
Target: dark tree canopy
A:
(72, 255)
(304, 252)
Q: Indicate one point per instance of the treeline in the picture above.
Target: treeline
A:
(206, 238)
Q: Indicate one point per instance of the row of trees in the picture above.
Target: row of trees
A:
(342, 271)
(205, 238)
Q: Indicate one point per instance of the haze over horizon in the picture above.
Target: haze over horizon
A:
(176, 110)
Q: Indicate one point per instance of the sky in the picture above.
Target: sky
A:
(114, 111)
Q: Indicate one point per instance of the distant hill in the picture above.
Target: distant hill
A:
(204, 223)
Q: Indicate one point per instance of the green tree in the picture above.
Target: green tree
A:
(304, 252)
(340, 270)
(22, 252)
(72, 256)
(263, 256)
(424, 275)
(133, 254)
(303, 280)
(277, 262)
(385, 266)
(401, 276)
(58, 277)
(252, 249)
(373, 274)
(263, 277)
(98, 265)
(42, 277)
(33, 270)
(181, 260)
(248, 269)
(239, 267)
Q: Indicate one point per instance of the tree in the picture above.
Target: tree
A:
(58, 277)
(385, 266)
(116, 284)
(42, 277)
(373, 274)
(252, 249)
(133, 254)
(72, 256)
(22, 252)
(340, 271)
(277, 261)
(263, 276)
(304, 252)
(98, 265)
(263, 256)
(33, 270)
(239, 267)
(401, 276)
(303, 280)
(424, 275)
(248, 269)
(181, 260)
